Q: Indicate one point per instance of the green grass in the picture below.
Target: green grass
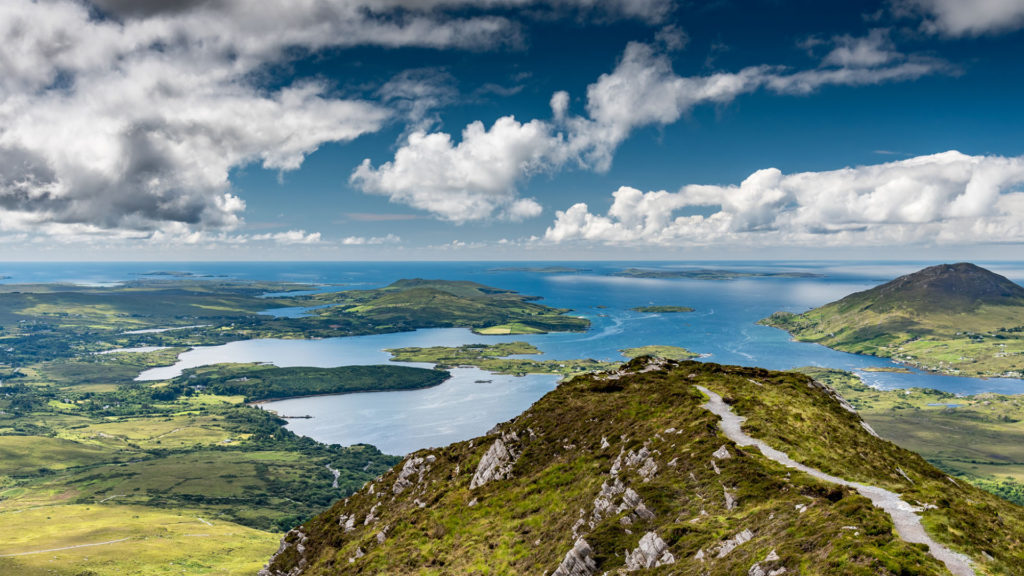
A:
(980, 440)
(33, 455)
(153, 542)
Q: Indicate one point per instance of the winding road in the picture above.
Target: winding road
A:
(904, 516)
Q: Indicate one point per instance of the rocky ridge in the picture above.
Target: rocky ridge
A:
(627, 472)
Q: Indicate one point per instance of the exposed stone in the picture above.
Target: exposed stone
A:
(383, 535)
(348, 522)
(651, 552)
(604, 502)
(296, 539)
(631, 501)
(730, 500)
(372, 516)
(497, 461)
(648, 470)
(722, 453)
(729, 545)
(604, 443)
(417, 466)
(578, 562)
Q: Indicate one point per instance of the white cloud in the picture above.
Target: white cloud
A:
(874, 49)
(471, 180)
(129, 115)
(478, 177)
(290, 237)
(964, 17)
(372, 241)
(941, 198)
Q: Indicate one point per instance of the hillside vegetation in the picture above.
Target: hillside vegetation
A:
(627, 469)
(978, 438)
(953, 319)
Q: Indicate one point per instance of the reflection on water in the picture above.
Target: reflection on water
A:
(406, 421)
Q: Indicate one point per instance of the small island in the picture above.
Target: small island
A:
(661, 309)
(667, 352)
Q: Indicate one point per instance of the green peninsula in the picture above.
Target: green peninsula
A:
(955, 319)
(495, 358)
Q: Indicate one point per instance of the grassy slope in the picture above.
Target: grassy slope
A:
(524, 524)
(154, 542)
(980, 440)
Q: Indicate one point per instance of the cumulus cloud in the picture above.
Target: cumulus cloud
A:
(964, 17)
(129, 115)
(940, 198)
(478, 177)
(470, 180)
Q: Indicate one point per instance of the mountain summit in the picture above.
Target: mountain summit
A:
(953, 318)
(666, 468)
(960, 288)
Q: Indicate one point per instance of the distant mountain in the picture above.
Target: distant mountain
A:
(953, 318)
(629, 471)
(947, 288)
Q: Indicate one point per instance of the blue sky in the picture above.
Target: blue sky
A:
(511, 129)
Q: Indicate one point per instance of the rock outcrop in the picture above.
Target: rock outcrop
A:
(650, 552)
(497, 461)
(578, 562)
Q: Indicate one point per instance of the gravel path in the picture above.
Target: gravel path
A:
(337, 474)
(904, 516)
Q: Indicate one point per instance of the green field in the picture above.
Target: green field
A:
(116, 540)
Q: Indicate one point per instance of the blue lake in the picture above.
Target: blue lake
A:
(723, 326)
